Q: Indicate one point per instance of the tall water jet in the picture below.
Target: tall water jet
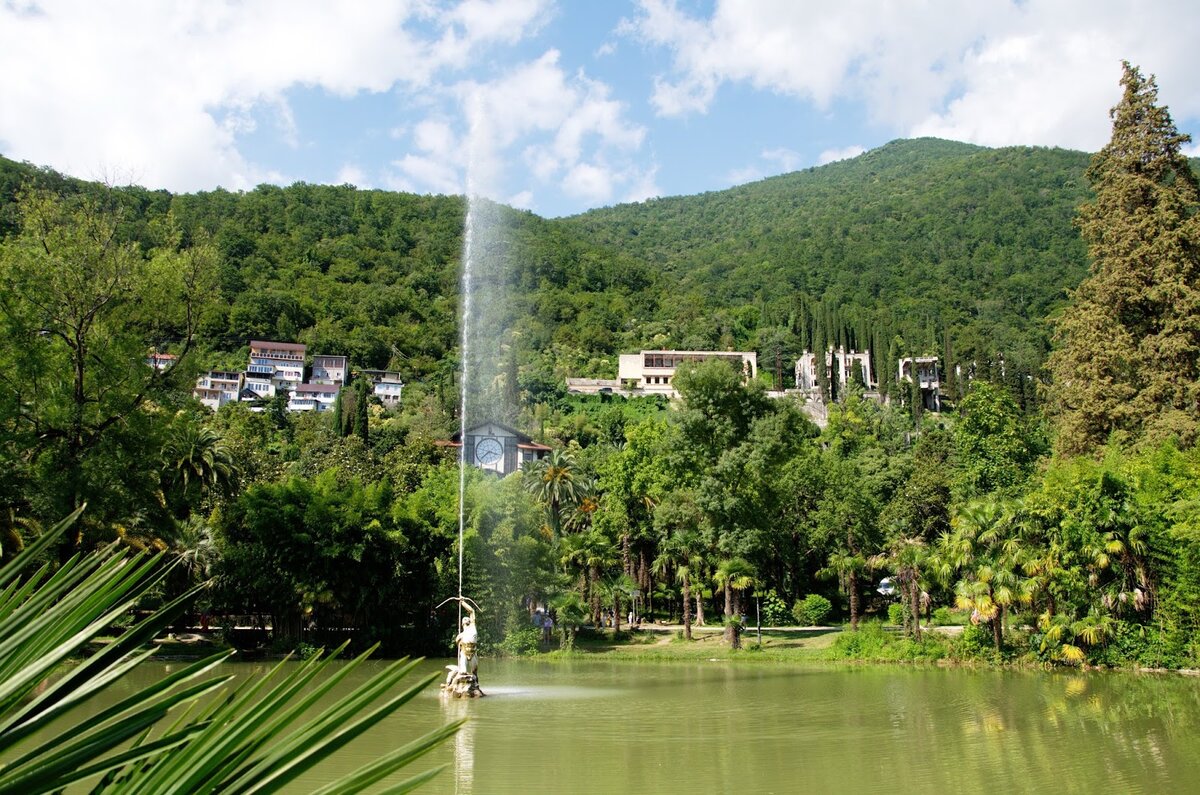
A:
(483, 323)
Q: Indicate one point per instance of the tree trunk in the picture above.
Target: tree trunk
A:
(915, 603)
(852, 584)
(687, 607)
(731, 634)
(616, 613)
(700, 609)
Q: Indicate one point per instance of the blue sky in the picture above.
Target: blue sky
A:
(562, 106)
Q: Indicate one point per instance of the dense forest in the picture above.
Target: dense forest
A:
(1053, 509)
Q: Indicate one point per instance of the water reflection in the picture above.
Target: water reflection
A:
(464, 744)
(648, 728)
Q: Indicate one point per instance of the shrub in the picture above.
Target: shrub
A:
(896, 613)
(974, 643)
(812, 610)
(775, 612)
(943, 617)
(521, 642)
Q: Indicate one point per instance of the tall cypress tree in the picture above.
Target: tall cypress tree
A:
(1128, 356)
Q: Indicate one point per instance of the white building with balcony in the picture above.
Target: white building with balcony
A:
(313, 397)
(218, 387)
(653, 372)
(386, 384)
(281, 363)
(329, 370)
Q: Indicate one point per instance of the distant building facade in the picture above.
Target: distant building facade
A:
(387, 385)
(281, 363)
(497, 448)
(329, 370)
(849, 366)
(218, 387)
(925, 371)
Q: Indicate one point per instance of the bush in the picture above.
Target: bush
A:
(812, 610)
(521, 642)
(974, 643)
(943, 617)
(896, 613)
(775, 612)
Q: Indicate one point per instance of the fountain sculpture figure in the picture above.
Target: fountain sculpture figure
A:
(462, 680)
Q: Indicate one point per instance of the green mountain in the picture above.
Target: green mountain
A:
(922, 244)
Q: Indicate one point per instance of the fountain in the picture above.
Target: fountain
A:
(480, 347)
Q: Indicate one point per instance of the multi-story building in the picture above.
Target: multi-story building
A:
(281, 363)
(850, 366)
(653, 372)
(387, 385)
(313, 397)
(329, 370)
(218, 387)
(928, 381)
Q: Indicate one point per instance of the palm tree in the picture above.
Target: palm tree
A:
(556, 483)
(905, 557)
(260, 736)
(984, 547)
(195, 463)
(678, 553)
(734, 575)
(848, 567)
(591, 553)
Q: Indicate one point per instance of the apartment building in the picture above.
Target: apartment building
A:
(281, 363)
(218, 387)
(329, 370)
(313, 397)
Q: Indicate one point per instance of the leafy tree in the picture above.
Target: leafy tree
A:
(992, 451)
(81, 310)
(1128, 357)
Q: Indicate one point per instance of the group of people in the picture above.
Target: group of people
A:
(545, 622)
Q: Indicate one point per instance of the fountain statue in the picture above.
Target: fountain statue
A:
(461, 678)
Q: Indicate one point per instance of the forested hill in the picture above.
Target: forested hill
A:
(927, 240)
(923, 234)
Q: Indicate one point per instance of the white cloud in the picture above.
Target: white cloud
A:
(834, 155)
(740, 176)
(350, 174)
(994, 72)
(788, 160)
(165, 89)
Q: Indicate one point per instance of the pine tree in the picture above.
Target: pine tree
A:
(1128, 355)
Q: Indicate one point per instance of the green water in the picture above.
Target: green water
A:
(718, 727)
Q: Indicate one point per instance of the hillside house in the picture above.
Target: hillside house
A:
(386, 384)
(313, 397)
(281, 363)
(329, 370)
(218, 387)
(848, 366)
(653, 372)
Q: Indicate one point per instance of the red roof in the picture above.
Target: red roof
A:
(279, 346)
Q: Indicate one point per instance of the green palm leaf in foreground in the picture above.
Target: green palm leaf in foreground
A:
(254, 738)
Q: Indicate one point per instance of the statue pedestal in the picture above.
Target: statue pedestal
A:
(461, 684)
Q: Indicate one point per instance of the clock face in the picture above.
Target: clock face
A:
(488, 451)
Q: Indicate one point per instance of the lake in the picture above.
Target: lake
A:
(595, 727)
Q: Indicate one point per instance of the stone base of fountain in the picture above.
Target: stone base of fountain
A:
(460, 684)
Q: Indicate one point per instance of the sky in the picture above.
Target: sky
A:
(560, 106)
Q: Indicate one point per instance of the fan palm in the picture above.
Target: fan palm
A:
(255, 739)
